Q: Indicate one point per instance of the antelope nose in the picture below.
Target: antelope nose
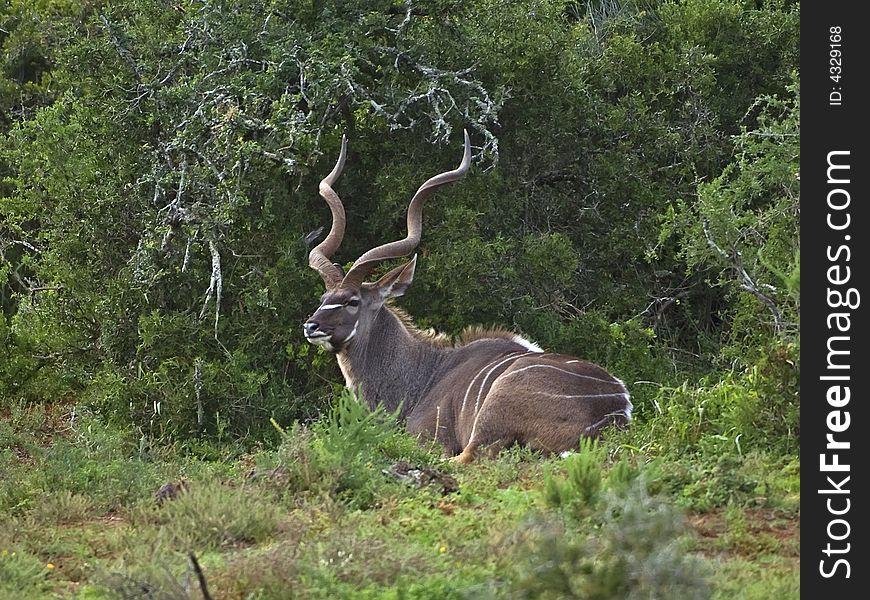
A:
(310, 328)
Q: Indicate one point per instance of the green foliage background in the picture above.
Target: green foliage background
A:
(634, 198)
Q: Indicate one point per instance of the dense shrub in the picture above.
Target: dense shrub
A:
(635, 546)
(633, 198)
(343, 454)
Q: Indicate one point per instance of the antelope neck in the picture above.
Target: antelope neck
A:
(389, 365)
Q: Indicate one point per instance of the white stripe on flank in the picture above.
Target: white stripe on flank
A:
(473, 430)
(473, 379)
(483, 383)
(582, 395)
(480, 391)
(558, 369)
(624, 393)
(572, 361)
(330, 306)
(597, 424)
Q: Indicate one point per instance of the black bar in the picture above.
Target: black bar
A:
(834, 233)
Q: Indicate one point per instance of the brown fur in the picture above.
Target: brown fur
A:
(437, 339)
(487, 389)
(479, 332)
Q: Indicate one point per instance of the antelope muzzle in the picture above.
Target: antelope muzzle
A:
(317, 334)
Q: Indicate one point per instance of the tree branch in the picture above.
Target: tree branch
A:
(215, 286)
(123, 52)
(748, 283)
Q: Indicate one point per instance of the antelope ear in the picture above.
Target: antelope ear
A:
(396, 282)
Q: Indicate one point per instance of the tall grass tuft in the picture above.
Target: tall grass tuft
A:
(343, 454)
(211, 515)
(610, 539)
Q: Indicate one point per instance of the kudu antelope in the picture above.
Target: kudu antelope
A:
(491, 388)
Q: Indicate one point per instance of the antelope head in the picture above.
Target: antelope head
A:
(348, 307)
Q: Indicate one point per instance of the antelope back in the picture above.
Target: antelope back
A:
(504, 390)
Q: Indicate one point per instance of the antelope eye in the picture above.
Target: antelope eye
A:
(353, 302)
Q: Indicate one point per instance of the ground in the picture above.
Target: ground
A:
(372, 515)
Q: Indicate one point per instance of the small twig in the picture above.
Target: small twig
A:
(197, 387)
(200, 576)
(215, 286)
(27, 245)
(185, 262)
(122, 50)
(409, 8)
(778, 323)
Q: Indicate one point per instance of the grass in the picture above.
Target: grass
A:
(323, 514)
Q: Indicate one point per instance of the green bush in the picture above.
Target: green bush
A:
(343, 454)
(620, 538)
(580, 490)
(158, 173)
(755, 409)
(210, 515)
(95, 470)
(636, 549)
(22, 575)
